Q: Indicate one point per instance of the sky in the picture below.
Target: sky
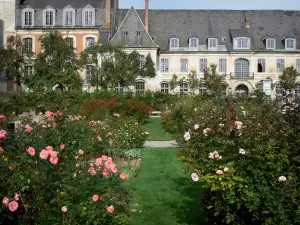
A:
(213, 4)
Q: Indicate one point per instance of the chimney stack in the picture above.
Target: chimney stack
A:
(247, 22)
(107, 13)
(147, 15)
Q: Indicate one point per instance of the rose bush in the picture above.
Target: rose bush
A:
(245, 153)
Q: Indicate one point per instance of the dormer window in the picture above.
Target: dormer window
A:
(271, 43)
(69, 16)
(174, 43)
(49, 17)
(88, 16)
(241, 43)
(28, 17)
(193, 43)
(290, 44)
(212, 43)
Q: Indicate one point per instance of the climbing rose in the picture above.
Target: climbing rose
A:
(53, 160)
(195, 177)
(110, 209)
(64, 209)
(282, 179)
(95, 198)
(31, 151)
(44, 154)
(5, 201)
(123, 176)
(13, 206)
(187, 136)
(219, 172)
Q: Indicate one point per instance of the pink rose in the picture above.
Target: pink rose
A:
(53, 154)
(104, 157)
(17, 197)
(31, 151)
(99, 138)
(28, 128)
(226, 169)
(53, 160)
(62, 147)
(92, 171)
(11, 167)
(123, 176)
(64, 209)
(76, 157)
(5, 201)
(44, 154)
(116, 115)
(1, 149)
(113, 169)
(77, 164)
(105, 172)
(54, 125)
(220, 172)
(49, 148)
(2, 117)
(110, 209)
(13, 206)
(98, 161)
(95, 198)
(80, 152)
(109, 134)
(195, 177)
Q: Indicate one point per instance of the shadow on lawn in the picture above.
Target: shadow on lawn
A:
(189, 209)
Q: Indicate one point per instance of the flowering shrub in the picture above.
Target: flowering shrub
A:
(56, 171)
(245, 154)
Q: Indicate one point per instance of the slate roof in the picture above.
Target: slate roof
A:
(205, 24)
(60, 4)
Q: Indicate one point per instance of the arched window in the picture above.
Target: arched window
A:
(164, 87)
(241, 68)
(202, 89)
(184, 88)
(140, 87)
(241, 90)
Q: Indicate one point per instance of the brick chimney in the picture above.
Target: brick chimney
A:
(247, 22)
(107, 13)
(147, 15)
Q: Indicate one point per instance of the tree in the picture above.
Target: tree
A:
(193, 81)
(13, 59)
(288, 79)
(214, 82)
(148, 70)
(56, 66)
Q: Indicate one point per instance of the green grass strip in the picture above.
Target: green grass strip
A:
(156, 132)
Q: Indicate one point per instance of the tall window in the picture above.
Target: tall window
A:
(88, 17)
(184, 64)
(261, 66)
(88, 74)
(119, 87)
(164, 88)
(174, 43)
(297, 90)
(203, 65)
(241, 43)
(223, 66)
(280, 65)
(241, 68)
(290, 44)
(89, 41)
(202, 88)
(140, 87)
(142, 61)
(28, 17)
(212, 43)
(69, 18)
(28, 70)
(49, 17)
(184, 88)
(298, 65)
(279, 89)
(27, 43)
(271, 43)
(70, 41)
(164, 65)
(194, 43)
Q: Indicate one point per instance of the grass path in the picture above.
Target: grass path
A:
(163, 193)
(156, 132)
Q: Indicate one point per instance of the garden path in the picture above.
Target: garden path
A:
(161, 144)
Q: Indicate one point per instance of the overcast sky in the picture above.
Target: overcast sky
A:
(213, 4)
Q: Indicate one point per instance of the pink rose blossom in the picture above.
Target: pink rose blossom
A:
(80, 152)
(53, 160)
(95, 198)
(109, 134)
(64, 209)
(2, 117)
(49, 148)
(220, 172)
(5, 201)
(13, 206)
(105, 172)
(92, 123)
(226, 169)
(44, 154)
(104, 157)
(116, 115)
(49, 125)
(62, 146)
(31, 151)
(77, 164)
(110, 209)
(54, 125)
(28, 128)
(99, 138)
(11, 167)
(53, 154)
(1, 149)
(92, 171)
(3, 134)
(195, 177)
(17, 197)
(76, 157)
(123, 176)
(99, 161)
(113, 169)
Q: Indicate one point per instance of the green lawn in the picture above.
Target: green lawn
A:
(163, 193)
(156, 132)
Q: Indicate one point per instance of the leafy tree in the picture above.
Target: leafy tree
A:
(288, 79)
(13, 59)
(148, 70)
(214, 82)
(173, 82)
(193, 81)
(56, 66)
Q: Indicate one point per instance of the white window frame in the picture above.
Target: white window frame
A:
(142, 61)
(174, 43)
(164, 65)
(119, 87)
(164, 87)
(202, 65)
(193, 43)
(45, 12)
(184, 65)
(298, 65)
(271, 43)
(26, 71)
(140, 86)
(223, 65)
(202, 88)
(184, 88)
(286, 44)
(32, 44)
(280, 65)
(86, 10)
(88, 36)
(65, 12)
(212, 44)
(245, 43)
(261, 61)
(24, 11)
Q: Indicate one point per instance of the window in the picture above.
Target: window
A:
(70, 41)
(119, 87)
(69, 17)
(142, 61)
(212, 43)
(174, 43)
(290, 44)
(140, 87)
(202, 89)
(124, 33)
(138, 33)
(89, 41)
(49, 17)
(194, 43)
(27, 45)
(280, 65)
(184, 64)
(28, 70)
(223, 66)
(241, 90)
(203, 65)
(297, 90)
(88, 17)
(298, 65)
(241, 68)
(164, 88)
(279, 89)
(261, 66)
(88, 75)
(164, 65)
(271, 43)
(184, 88)
(28, 17)
(241, 43)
